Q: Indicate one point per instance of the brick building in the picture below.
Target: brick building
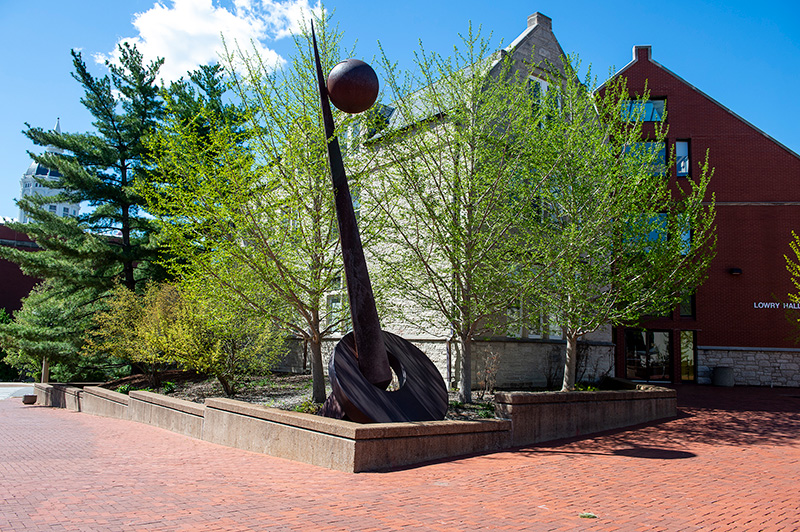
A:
(14, 285)
(738, 317)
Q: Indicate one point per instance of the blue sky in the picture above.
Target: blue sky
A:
(744, 55)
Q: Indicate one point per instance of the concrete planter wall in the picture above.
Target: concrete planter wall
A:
(353, 447)
(102, 402)
(544, 416)
(176, 415)
(344, 445)
(58, 395)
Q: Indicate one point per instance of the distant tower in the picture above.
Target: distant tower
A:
(29, 186)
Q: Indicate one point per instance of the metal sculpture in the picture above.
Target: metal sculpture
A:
(360, 369)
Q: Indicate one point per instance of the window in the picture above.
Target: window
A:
(682, 158)
(688, 355)
(52, 208)
(335, 316)
(537, 86)
(647, 355)
(553, 330)
(513, 326)
(653, 152)
(643, 110)
(687, 305)
(523, 324)
(65, 212)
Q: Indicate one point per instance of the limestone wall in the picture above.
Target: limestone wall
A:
(766, 367)
(507, 364)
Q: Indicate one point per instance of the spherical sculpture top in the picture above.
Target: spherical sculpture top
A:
(353, 86)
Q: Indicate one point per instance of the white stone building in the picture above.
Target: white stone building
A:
(31, 184)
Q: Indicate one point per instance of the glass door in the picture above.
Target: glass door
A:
(647, 355)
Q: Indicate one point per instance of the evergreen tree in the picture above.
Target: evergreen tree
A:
(113, 242)
(83, 257)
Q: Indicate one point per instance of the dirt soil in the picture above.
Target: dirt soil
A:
(278, 390)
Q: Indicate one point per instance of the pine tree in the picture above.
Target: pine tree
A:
(82, 258)
(113, 242)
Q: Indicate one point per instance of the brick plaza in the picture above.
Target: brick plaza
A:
(730, 461)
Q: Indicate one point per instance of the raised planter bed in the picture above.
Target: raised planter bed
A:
(345, 445)
(543, 416)
(525, 418)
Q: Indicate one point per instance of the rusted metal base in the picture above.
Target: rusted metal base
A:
(421, 395)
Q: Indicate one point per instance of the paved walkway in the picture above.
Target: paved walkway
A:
(15, 389)
(731, 461)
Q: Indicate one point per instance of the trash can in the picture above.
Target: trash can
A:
(723, 376)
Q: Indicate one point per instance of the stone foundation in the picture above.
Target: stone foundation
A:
(508, 364)
(751, 367)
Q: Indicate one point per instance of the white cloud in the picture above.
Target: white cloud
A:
(187, 32)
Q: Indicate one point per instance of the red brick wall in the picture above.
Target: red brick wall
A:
(750, 168)
(14, 285)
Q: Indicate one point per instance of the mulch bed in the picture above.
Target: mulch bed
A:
(279, 390)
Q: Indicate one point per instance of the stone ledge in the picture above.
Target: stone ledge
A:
(108, 395)
(102, 402)
(545, 416)
(58, 395)
(176, 415)
(353, 447)
(173, 403)
(344, 445)
(583, 397)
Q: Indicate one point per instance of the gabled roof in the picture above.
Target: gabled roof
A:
(536, 44)
(645, 53)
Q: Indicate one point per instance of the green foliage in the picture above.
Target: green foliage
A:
(49, 326)
(307, 407)
(244, 198)
(7, 372)
(83, 258)
(124, 388)
(610, 245)
(165, 326)
(130, 328)
(793, 267)
(451, 190)
(114, 240)
(168, 386)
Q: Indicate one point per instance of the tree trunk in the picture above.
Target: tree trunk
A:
(45, 370)
(465, 383)
(571, 363)
(226, 385)
(317, 373)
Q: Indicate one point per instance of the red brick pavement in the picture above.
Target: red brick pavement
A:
(731, 461)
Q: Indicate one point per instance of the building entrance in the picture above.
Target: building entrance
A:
(647, 355)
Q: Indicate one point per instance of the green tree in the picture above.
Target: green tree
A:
(45, 332)
(247, 206)
(162, 326)
(452, 193)
(212, 338)
(114, 241)
(7, 372)
(618, 239)
(793, 267)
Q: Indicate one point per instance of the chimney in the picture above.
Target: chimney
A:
(642, 53)
(538, 19)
